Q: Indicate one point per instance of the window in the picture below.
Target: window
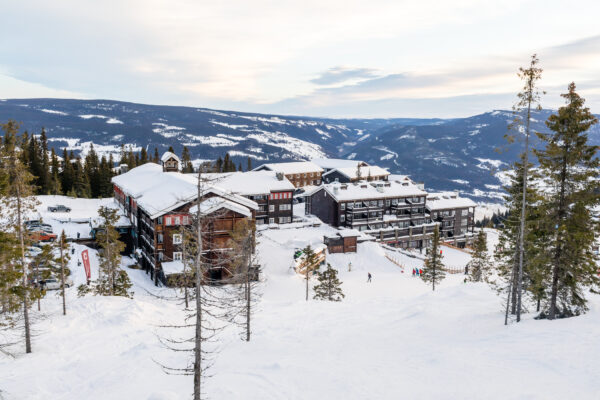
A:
(161, 256)
(177, 238)
(271, 207)
(271, 220)
(465, 212)
(284, 220)
(380, 203)
(387, 203)
(394, 202)
(160, 220)
(373, 203)
(285, 207)
(176, 255)
(160, 238)
(343, 206)
(260, 221)
(168, 221)
(342, 218)
(186, 220)
(176, 221)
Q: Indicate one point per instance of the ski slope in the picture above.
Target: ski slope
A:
(389, 339)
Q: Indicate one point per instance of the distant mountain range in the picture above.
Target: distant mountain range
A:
(447, 154)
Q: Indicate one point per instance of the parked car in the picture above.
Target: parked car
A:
(54, 284)
(43, 236)
(32, 222)
(33, 251)
(42, 227)
(59, 208)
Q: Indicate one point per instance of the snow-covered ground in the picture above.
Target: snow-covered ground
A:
(76, 223)
(389, 339)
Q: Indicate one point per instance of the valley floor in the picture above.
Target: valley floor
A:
(389, 339)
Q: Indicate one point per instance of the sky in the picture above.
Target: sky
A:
(326, 58)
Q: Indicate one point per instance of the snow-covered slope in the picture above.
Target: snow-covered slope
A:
(389, 339)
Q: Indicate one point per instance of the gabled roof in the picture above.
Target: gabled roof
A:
(158, 192)
(168, 155)
(447, 201)
(251, 182)
(351, 172)
(333, 163)
(213, 204)
(297, 167)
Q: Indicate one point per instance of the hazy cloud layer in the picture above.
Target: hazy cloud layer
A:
(337, 58)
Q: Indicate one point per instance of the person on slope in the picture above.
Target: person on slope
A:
(368, 277)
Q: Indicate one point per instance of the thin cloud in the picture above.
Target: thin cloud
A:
(341, 75)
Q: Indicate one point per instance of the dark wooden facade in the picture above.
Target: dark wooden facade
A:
(341, 244)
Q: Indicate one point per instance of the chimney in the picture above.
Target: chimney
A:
(335, 190)
(421, 185)
(279, 176)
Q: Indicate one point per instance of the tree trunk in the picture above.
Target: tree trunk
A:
(561, 213)
(523, 208)
(25, 283)
(307, 282)
(62, 276)
(248, 304)
(199, 274)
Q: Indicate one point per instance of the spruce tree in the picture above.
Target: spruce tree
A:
(81, 184)
(570, 167)
(433, 270)
(55, 181)
(308, 262)
(45, 173)
(506, 253)
(112, 280)
(479, 264)
(219, 165)
(143, 156)
(186, 161)
(329, 286)
(16, 201)
(249, 164)
(67, 176)
(156, 158)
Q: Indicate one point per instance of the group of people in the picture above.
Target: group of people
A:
(417, 272)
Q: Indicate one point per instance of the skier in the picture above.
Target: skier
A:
(413, 272)
(420, 272)
(368, 277)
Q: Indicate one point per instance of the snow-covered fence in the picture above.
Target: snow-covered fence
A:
(395, 261)
(454, 270)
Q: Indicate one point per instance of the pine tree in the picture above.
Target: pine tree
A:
(219, 165)
(433, 270)
(55, 181)
(143, 156)
(308, 262)
(156, 157)
(186, 160)
(529, 99)
(112, 280)
(226, 163)
(249, 164)
(479, 265)
(17, 200)
(571, 172)
(329, 286)
(81, 184)
(68, 174)
(45, 177)
(64, 257)
(536, 235)
(240, 167)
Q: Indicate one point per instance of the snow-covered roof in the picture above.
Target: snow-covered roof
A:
(333, 163)
(344, 233)
(351, 172)
(371, 190)
(168, 155)
(252, 182)
(399, 178)
(172, 267)
(213, 204)
(447, 200)
(296, 167)
(158, 192)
